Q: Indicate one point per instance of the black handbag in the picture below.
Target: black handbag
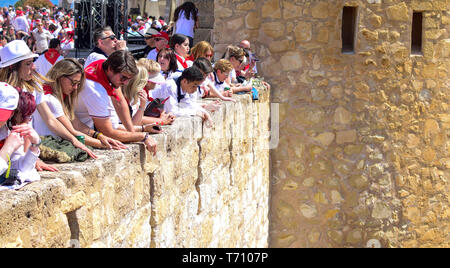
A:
(155, 108)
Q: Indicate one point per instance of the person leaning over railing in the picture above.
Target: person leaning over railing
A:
(67, 79)
(17, 69)
(94, 105)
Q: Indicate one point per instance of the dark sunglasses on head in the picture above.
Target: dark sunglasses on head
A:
(112, 37)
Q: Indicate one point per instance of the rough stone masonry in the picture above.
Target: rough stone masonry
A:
(364, 156)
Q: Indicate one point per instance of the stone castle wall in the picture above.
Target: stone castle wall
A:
(207, 187)
(363, 158)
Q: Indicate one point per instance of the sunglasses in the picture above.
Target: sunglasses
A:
(159, 39)
(112, 37)
(74, 83)
(124, 78)
(148, 37)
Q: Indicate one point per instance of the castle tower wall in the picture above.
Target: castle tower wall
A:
(363, 158)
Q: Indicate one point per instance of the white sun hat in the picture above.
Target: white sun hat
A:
(14, 52)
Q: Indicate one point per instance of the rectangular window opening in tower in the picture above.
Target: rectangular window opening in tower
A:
(416, 33)
(349, 26)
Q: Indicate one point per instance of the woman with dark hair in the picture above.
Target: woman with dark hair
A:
(168, 61)
(180, 44)
(186, 20)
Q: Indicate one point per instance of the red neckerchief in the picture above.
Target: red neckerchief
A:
(2, 142)
(183, 62)
(141, 28)
(191, 58)
(52, 55)
(96, 73)
(48, 90)
(150, 99)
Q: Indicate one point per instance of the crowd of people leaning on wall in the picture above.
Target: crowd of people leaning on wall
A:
(53, 109)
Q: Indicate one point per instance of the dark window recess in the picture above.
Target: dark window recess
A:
(416, 33)
(349, 15)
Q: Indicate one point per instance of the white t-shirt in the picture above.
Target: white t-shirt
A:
(39, 98)
(94, 56)
(184, 26)
(43, 65)
(21, 24)
(57, 110)
(94, 101)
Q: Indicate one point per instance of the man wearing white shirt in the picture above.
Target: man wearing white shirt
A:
(161, 41)
(42, 37)
(95, 106)
(49, 58)
(105, 44)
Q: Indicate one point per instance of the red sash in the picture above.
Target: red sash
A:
(52, 55)
(150, 99)
(183, 62)
(96, 73)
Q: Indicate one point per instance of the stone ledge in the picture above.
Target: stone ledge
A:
(194, 192)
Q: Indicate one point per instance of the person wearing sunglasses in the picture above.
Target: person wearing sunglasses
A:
(68, 79)
(236, 56)
(161, 41)
(105, 44)
(42, 37)
(95, 104)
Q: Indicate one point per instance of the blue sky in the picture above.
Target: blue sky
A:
(5, 3)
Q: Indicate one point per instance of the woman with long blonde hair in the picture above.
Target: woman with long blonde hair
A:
(18, 70)
(138, 89)
(67, 79)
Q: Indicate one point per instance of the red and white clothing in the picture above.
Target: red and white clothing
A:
(183, 63)
(94, 101)
(47, 60)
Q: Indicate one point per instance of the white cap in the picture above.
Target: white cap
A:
(9, 98)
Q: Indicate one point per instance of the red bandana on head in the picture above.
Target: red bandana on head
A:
(52, 55)
(96, 73)
(182, 61)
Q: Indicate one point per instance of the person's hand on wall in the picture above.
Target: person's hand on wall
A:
(41, 166)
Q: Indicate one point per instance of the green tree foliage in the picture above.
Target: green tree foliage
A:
(34, 3)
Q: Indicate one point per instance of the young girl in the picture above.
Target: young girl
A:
(17, 69)
(169, 64)
(180, 44)
(202, 49)
(186, 20)
(68, 79)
